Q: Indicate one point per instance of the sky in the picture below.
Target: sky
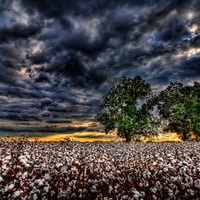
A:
(58, 58)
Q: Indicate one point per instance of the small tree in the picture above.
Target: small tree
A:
(179, 106)
(123, 108)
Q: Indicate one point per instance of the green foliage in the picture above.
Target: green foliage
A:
(119, 107)
(179, 106)
(194, 112)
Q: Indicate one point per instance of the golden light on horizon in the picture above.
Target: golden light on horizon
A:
(98, 136)
(162, 137)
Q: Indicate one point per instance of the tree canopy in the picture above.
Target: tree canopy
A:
(122, 107)
(179, 106)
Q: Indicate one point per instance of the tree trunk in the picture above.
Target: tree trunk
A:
(128, 135)
(185, 136)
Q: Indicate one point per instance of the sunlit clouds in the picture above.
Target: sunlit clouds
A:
(194, 28)
(193, 52)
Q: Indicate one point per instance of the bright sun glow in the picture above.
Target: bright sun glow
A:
(193, 28)
(22, 72)
(193, 51)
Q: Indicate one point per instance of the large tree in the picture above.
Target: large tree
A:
(123, 108)
(179, 106)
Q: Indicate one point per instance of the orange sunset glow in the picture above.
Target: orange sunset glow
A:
(98, 136)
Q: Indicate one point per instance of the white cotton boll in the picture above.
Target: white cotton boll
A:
(46, 189)
(1, 179)
(22, 157)
(24, 162)
(170, 192)
(191, 192)
(197, 183)
(74, 169)
(11, 186)
(47, 176)
(35, 196)
(142, 193)
(16, 194)
(58, 165)
(19, 174)
(7, 158)
(124, 197)
(110, 189)
(146, 184)
(4, 166)
(63, 169)
(175, 179)
(153, 189)
(140, 184)
(160, 159)
(184, 162)
(40, 182)
(91, 167)
(165, 169)
(148, 174)
(80, 191)
(154, 197)
(136, 195)
(94, 188)
(28, 156)
(85, 190)
(76, 162)
(173, 161)
(31, 184)
(24, 175)
(190, 180)
(73, 195)
(96, 169)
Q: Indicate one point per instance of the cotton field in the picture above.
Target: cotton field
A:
(73, 170)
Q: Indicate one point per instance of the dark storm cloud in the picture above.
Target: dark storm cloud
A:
(18, 91)
(41, 77)
(190, 69)
(46, 129)
(58, 58)
(18, 31)
(38, 58)
(173, 31)
(7, 75)
(59, 121)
